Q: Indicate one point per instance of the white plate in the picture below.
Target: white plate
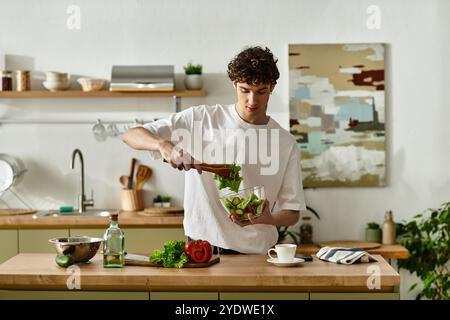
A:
(6, 175)
(296, 262)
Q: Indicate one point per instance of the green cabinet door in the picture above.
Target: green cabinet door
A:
(36, 241)
(8, 244)
(71, 295)
(97, 233)
(144, 241)
(354, 296)
(167, 295)
(263, 296)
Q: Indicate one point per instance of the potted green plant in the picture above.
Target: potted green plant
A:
(193, 79)
(427, 238)
(284, 232)
(158, 201)
(166, 202)
(373, 232)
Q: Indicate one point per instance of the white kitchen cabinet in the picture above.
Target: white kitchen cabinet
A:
(8, 244)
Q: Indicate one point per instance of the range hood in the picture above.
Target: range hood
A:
(142, 78)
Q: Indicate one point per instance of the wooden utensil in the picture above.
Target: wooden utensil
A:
(124, 181)
(219, 169)
(143, 174)
(130, 177)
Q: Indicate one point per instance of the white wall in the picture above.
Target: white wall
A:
(33, 34)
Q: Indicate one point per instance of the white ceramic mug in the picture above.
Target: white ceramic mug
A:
(285, 252)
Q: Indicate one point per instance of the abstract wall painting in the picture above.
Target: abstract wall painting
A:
(337, 113)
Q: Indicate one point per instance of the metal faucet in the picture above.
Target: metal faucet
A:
(82, 201)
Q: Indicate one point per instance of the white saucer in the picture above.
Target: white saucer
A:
(296, 262)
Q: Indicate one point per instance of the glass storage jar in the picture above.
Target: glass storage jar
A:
(306, 231)
(6, 80)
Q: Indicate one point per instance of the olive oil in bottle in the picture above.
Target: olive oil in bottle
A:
(113, 245)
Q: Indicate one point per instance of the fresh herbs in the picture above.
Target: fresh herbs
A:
(172, 256)
(233, 181)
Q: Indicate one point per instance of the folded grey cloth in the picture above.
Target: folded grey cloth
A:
(344, 255)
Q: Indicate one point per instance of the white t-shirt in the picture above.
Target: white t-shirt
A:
(268, 156)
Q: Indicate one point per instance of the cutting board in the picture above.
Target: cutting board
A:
(142, 261)
(350, 244)
(162, 212)
(15, 212)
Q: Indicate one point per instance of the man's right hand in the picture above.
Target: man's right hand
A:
(178, 158)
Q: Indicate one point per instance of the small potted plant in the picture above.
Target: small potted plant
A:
(193, 79)
(284, 232)
(158, 202)
(166, 202)
(373, 232)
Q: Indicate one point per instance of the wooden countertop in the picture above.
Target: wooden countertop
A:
(127, 219)
(395, 251)
(233, 272)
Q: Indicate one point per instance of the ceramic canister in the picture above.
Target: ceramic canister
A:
(23, 80)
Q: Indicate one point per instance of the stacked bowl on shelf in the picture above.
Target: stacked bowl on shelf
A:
(56, 81)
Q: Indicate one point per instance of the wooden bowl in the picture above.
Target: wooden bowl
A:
(88, 84)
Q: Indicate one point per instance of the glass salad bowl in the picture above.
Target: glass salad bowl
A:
(245, 201)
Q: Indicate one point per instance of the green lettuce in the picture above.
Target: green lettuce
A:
(233, 181)
(172, 256)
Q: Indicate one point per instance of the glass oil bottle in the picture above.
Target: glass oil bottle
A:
(113, 245)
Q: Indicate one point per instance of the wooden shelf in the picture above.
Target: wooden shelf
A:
(99, 94)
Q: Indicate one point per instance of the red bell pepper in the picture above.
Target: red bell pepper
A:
(198, 251)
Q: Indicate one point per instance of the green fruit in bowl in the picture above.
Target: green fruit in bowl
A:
(63, 260)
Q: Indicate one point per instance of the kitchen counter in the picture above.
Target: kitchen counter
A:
(127, 219)
(234, 273)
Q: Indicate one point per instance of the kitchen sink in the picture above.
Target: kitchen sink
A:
(88, 213)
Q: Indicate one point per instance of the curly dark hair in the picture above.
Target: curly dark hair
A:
(253, 66)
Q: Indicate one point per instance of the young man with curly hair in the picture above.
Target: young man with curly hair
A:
(228, 128)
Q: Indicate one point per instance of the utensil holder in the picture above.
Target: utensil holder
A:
(132, 200)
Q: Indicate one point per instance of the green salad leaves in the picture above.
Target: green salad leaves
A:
(233, 181)
(172, 256)
(241, 207)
